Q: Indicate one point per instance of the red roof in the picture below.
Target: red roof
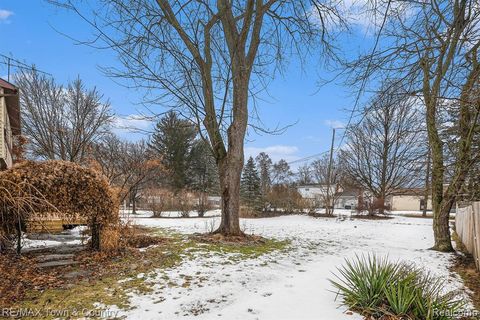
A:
(13, 105)
(7, 85)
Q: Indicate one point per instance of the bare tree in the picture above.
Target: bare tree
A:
(210, 58)
(382, 152)
(127, 165)
(433, 46)
(264, 166)
(305, 174)
(61, 123)
(329, 181)
(281, 173)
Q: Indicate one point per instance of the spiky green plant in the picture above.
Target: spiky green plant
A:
(362, 282)
(374, 286)
(402, 293)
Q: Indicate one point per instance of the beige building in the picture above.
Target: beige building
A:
(409, 200)
(9, 121)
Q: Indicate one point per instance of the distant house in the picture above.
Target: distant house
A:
(348, 199)
(409, 200)
(215, 201)
(315, 193)
(9, 121)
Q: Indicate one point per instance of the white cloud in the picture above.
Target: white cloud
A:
(132, 123)
(276, 152)
(334, 124)
(364, 15)
(4, 15)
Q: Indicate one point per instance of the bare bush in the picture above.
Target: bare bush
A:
(287, 199)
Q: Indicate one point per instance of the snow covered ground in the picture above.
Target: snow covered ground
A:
(282, 285)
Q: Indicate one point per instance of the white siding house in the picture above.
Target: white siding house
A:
(316, 193)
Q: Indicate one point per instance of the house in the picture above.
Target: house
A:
(316, 193)
(347, 199)
(411, 199)
(215, 201)
(9, 121)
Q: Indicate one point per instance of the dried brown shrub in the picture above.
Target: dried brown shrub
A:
(68, 187)
(287, 199)
(160, 200)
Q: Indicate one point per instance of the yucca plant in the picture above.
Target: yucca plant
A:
(362, 281)
(376, 287)
(402, 293)
(433, 302)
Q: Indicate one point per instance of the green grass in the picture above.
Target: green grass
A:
(247, 251)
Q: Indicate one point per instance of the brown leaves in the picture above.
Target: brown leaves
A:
(66, 188)
(20, 274)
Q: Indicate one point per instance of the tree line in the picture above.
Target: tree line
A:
(76, 124)
(384, 152)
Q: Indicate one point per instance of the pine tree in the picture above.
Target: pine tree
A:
(172, 142)
(203, 171)
(203, 174)
(264, 164)
(250, 185)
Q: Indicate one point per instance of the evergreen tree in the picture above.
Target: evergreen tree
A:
(172, 142)
(203, 169)
(204, 174)
(264, 165)
(250, 184)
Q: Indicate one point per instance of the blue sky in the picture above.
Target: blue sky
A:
(28, 29)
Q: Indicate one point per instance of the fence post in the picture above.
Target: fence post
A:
(476, 230)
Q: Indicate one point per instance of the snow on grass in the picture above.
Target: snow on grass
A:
(289, 284)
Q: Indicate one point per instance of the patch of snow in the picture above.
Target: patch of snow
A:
(67, 237)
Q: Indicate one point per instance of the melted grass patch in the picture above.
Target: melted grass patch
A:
(111, 279)
(249, 247)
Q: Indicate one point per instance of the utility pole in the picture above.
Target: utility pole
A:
(329, 174)
(8, 67)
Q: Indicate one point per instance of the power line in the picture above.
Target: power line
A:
(360, 91)
(364, 80)
(313, 156)
(19, 64)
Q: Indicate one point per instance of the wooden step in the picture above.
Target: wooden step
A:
(55, 257)
(57, 263)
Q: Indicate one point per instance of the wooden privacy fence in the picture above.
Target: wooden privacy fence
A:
(467, 227)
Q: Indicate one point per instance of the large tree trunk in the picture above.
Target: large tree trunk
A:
(230, 174)
(440, 206)
(441, 226)
(230, 166)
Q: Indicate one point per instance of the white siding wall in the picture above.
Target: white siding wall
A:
(315, 192)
